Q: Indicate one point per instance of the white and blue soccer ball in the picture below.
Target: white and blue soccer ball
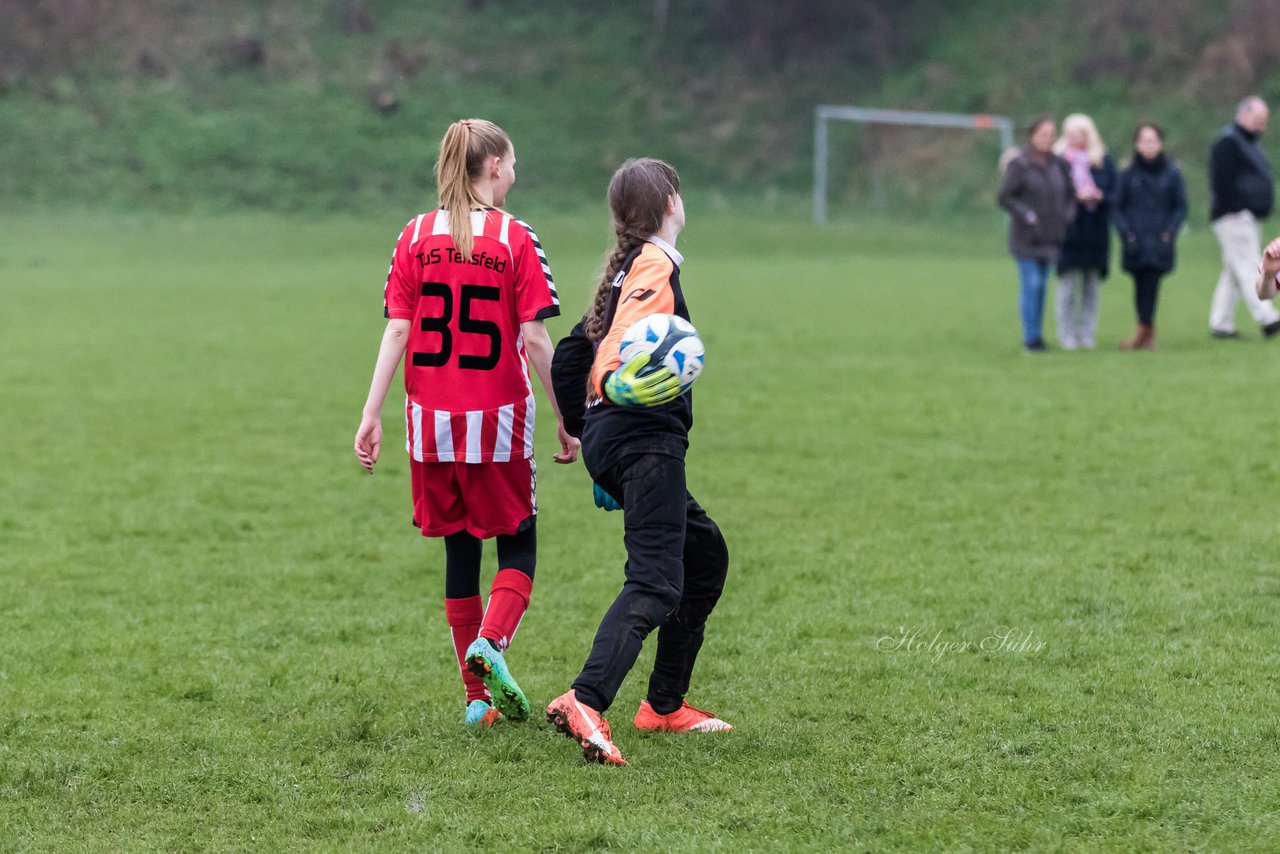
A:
(670, 341)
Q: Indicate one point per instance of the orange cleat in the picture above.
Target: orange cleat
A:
(586, 726)
(684, 719)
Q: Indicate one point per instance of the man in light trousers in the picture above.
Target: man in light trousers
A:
(1242, 193)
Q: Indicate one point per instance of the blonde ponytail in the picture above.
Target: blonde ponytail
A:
(466, 146)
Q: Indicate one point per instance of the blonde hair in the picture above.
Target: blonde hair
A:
(467, 144)
(1095, 147)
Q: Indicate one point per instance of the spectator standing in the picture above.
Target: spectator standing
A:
(1242, 194)
(1037, 192)
(1149, 208)
(1086, 251)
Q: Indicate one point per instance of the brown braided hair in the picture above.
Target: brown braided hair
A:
(638, 195)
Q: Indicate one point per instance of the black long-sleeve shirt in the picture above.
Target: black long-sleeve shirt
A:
(1239, 175)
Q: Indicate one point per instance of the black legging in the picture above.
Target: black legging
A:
(462, 558)
(1146, 290)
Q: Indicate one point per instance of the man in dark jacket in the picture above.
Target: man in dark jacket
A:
(1242, 193)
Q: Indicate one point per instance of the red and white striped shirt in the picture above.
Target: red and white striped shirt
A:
(468, 394)
(475, 436)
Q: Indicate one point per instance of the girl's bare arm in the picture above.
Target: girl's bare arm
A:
(369, 436)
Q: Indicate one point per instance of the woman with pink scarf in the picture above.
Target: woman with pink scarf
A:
(1086, 252)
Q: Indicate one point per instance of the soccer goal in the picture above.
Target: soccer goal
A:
(824, 115)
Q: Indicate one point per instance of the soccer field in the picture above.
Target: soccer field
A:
(218, 633)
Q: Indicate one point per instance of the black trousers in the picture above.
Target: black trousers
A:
(676, 566)
(1146, 290)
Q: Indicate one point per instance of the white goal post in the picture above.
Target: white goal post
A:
(824, 114)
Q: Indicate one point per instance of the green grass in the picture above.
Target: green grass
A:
(141, 105)
(218, 634)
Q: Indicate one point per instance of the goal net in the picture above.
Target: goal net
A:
(886, 158)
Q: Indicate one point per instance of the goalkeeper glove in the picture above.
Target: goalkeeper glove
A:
(604, 500)
(626, 387)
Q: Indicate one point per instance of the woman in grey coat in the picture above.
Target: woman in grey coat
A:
(1037, 192)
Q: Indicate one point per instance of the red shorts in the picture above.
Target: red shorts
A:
(483, 499)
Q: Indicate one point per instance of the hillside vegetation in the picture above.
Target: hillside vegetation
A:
(337, 104)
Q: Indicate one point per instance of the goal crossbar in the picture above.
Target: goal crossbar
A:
(826, 113)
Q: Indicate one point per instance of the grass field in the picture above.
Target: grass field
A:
(216, 633)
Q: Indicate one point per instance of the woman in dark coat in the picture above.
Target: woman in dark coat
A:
(1036, 191)
(1086, 252)
(1149, 208)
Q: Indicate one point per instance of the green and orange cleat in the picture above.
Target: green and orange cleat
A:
(684, 719)
(486, 662)
(587, 727)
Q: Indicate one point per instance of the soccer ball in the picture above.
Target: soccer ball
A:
(670, 341)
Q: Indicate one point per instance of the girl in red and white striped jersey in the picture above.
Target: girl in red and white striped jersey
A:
(466, 296)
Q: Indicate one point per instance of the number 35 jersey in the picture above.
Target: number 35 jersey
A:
(466, 373)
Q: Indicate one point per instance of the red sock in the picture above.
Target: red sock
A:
(464, 617)
(508, 600)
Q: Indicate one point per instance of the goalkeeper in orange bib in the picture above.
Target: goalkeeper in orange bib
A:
(634, 437)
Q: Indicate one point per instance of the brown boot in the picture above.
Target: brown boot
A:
(1136, 341)
(1149, 338)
